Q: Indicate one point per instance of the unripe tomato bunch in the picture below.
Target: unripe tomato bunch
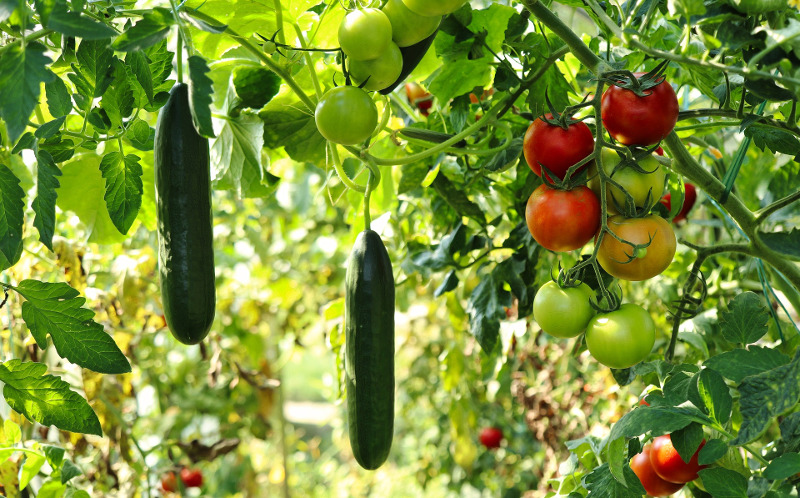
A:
(564, 213)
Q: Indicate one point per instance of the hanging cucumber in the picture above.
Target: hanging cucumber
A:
(369, 350)
(183, 208)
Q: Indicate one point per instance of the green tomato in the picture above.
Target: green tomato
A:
(365, 34)
(621, 338)
(381, 71)
(408, 27)
(563, 312)
(638, 185)
(434, 7)
(346, 115)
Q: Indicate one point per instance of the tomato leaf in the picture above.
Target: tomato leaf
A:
(782, 467)
(457, 199)
(741, 363)
(724, 483)
(775, 140)
(710, 393)
(123, 188)
(12, 208)
(58, 100)
(200, 92)
(687, 440)
(22, 70)
(786, 243)
(151, 29)
(288, 124)
(601, 484)
(44, 205)
(617, 455)
(745, 321)
(449, 283)
(77, 25)
(712, 451)
(659, 419)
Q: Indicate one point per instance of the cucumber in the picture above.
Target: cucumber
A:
(369, 350)
(183, 209)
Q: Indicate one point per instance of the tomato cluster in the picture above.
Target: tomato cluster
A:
(661, 469)
(191, 478)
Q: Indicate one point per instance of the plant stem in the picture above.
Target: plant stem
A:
(765, 212)
(309, 63)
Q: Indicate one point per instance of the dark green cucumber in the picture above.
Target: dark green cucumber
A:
(183, 208)
(412, 56)
(369, 350)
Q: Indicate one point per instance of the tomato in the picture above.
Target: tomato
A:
(562, 220)
(634, 120)
(169, 482)
(653, 485)
(485, 95)
(644, 188)
(434, 7)
(689, 198)
(346, 115)
(192, 478)
(408, 27)
(556, 148)
(647, 262)
(419, 97)
(621, 338)
(563, 312)
(669, 465)
(491, 437)
(365, 34)
(382, 71)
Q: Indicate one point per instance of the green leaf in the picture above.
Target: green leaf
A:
(601, 484)
(485, 310)
(790, 434)
(118, 99)
(255, 85)
(74, 24)
(658, 419)
(7, 8)
(56, 310)
(76, 493)
(782, 467)
(457, 199)
(21, 74)
(30, 469)
(714, 395)
(55, 455)
(454, 79)
(741, 363)
(49, 129)
(46, 398)
(411, 176)
(712, 451)
(200, 96)
(687, 440)
(745, 322)
(504, 159)
(58, 100)
(93, 73)
(449, 283)
(151, 29)
(617, 455)
(12, 208)
(765, 396)
(786, 243)
(44, 205)
(773, 139)
(26, 141)
(69, 471)
(236, 158)
(123, 188)
(724, 483)
(136, 62)
(290, 125)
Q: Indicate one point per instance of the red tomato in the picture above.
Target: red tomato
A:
(669, 465)
(419, 97)
(688, 202)
(169, 482)
(491, 437)
(615, 256)
(653, 485)
(562, 220)
(556, 148)
(485, 95)
(192, 478)
(634, 120)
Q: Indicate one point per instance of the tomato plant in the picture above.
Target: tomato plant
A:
(642, 466)
(346, 115)
(365, 34)
(428, 8)
(637, 115)
(408, 27)
(562, 220)
(380, 72)
(627, 262)
(621, 338)
(643, 180)
(192, 478)
(556, 148)
(491, 437)
(563, 312)
(690, 197)
(669, 465)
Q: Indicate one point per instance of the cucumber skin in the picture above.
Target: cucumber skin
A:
(183, 208)
(369, 350)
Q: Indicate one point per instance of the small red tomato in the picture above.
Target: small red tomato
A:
(689, 198)
(669, 465)
(192, 478)
(486, 94)
(635, 120)
(652, 483)
(562, 220)
(419, 97)
(556, 148)
(169, 482)
(491, 437)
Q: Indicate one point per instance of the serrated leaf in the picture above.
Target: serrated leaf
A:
(123, 188)
(255, 85)
(151, 29)
(44, 205)
(773, 139)
(12, 208)
(201, 90)
(57, 310)
(504, 159)
(740, 363)
(136, 62)
(76, 25)
(69, 471)
(49, 129)
(601, 484)
(58, 100)
(30, 469)
(765, 396)
(457, 199)
(236, 157)
(786, 243)
(714, 395)
(54, 455)
(290, 125)
(782, 467)
(449, 283)
(713, 450)
(656, 419)
(46, 398)
(745, 321)
(485, 311)
(22, 71)
(93, 73)
(724, 483)
(118, 100)
(26, 141)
